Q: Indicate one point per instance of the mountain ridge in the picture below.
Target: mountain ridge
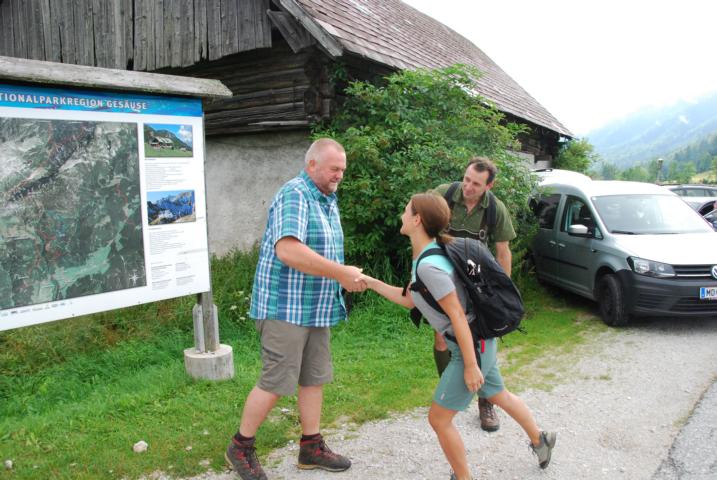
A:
(655, 132)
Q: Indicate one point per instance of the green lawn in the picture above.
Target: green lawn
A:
(150, 152)
(76, 395)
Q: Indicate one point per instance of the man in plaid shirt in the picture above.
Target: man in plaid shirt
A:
(295, 299)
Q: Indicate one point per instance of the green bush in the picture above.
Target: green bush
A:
(414, 131)
(577, 155)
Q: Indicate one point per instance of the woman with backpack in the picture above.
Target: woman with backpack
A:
(424, 219)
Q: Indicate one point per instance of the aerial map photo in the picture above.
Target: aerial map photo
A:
(71, 222)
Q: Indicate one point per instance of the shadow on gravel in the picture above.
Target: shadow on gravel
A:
(673, 325)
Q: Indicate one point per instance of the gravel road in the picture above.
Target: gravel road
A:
(617, 405)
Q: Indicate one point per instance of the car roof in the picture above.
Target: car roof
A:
(598, 188)
(692, 185)
(556, 174)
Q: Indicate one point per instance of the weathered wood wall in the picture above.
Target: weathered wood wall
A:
(273, 89)
(132, 34)
(542, 143)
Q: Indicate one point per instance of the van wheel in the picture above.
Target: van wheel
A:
(611, 301)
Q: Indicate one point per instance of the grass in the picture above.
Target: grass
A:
(76, 395)
(161, 152)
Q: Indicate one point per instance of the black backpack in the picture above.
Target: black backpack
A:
(490, 218)
(492, 295)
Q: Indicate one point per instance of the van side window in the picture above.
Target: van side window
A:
(545, 210)
(577, 212)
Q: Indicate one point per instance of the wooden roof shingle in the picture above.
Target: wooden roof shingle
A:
(395, 34)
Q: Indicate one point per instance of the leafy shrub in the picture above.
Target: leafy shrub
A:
(414, 131)
(577, 155)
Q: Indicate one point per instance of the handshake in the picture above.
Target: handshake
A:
(353, 280)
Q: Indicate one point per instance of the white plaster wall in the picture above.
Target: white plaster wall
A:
(243, 172)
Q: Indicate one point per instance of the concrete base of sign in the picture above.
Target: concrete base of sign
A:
(218, 365)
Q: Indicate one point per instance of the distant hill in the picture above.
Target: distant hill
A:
(700, 152)
(656, 132)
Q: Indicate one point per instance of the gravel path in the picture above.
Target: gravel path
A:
(617, 411)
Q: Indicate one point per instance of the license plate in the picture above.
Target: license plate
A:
(708, 293)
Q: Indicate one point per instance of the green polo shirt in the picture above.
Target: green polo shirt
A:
(465, 224)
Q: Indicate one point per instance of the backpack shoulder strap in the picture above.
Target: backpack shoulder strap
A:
(490, 218)
(419, 286)
(492, 212)
(448, 196)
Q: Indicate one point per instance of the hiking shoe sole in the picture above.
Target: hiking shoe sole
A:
(304, 466)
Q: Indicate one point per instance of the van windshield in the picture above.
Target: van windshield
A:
(648, 214)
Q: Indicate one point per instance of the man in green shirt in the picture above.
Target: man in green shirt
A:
(471, 217)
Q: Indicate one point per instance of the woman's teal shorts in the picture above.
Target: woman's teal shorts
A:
(452, 392)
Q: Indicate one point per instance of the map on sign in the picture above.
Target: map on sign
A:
(71, 222)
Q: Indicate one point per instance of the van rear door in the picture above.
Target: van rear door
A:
(545, 246)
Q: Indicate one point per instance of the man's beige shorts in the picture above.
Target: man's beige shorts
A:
(293, 355)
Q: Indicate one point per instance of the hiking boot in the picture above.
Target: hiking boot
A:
(242, 457)
(315, 454)
(543, 451)
(489, 420)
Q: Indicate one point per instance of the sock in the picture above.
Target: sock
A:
(442, 358)
(306, 438)
(241, 438)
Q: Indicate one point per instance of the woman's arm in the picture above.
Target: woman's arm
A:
(471, 373)
(389, 292)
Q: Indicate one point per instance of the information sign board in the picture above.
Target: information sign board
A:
(103, 202)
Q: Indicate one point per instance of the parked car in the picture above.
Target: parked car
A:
(702, 198)
(711, 218)
(635, 248)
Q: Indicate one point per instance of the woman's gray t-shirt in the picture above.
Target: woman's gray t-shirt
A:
(438, 275)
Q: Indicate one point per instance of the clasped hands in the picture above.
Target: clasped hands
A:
(353, 279)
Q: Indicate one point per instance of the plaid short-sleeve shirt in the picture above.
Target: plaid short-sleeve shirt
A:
(301, 211)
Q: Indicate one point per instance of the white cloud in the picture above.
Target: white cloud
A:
(185, 134)
(593, 61)
(683, 119)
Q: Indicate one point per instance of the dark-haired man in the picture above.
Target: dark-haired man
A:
(477, 213)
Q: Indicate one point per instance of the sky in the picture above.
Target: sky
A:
(590, 62)
(182, 132)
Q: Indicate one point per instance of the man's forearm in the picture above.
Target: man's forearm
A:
(504, 257)
(298, 256)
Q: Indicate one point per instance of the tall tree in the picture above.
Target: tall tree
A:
(607, 171)
(576, 155)
(638, 173)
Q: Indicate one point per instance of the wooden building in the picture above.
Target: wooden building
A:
(278, 58)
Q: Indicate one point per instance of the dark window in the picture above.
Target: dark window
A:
(545, 210)
(577, 212)
(695, 192)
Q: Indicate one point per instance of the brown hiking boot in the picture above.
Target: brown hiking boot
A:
(315, 454)
(489, 420)
(242, 458)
